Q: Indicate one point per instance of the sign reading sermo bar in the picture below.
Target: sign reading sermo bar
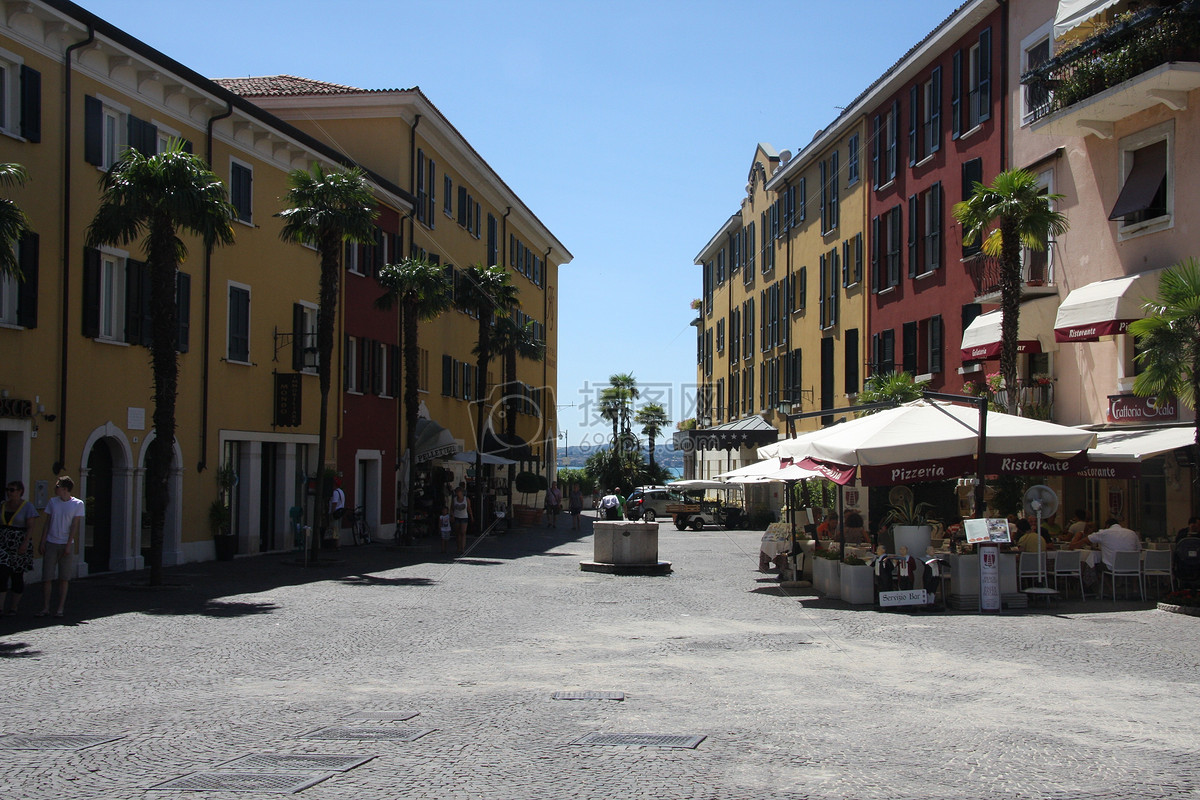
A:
(1131, 408)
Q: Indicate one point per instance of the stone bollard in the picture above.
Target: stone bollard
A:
(625, 548)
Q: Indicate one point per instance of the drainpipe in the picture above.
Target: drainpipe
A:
(1004, 159)
(208, 252)
(66, 249)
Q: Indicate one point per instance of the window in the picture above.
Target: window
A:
(1036, 50)
(877, 152)
(925, 231)
(381, 368)
(803, 189)
(20, 98)
(1037, 265)
(431, 192)
(304, 337)
(720, 336)
(829, 193)
(829, 284)
(105, 131)
(802, 290)
(238, 331)
(931, 113)
(19, 294)
(852, 160)
(979, 80)
(422, 196)
(1146, 201)
(448, 196)
(883, 352)
(933, 339)
(735, 335)
(892, 149)
(422, 370)
(351, 365)
(850, 342)
(909, 358)
(885, 250)
(241, 180)
(493, 247)
(852, 257)
(972, 173)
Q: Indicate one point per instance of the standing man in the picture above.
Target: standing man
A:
(553, 505)
(60, 532)
(337, 510)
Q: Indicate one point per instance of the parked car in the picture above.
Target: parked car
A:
(648, 503)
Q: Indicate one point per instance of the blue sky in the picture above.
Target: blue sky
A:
(628, 127)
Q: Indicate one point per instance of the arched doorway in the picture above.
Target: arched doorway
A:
(97, 545)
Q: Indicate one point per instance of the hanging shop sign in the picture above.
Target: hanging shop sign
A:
(287, 399)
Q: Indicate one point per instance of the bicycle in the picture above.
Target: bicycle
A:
(359, 527)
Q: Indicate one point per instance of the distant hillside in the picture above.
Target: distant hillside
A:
(575, 457)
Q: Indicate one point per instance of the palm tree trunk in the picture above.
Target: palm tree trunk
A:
(326, 318)
(1010, 305)
(411, 403)
(164, 339)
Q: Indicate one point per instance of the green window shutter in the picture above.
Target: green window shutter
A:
(985, 74)
(31, 104)
(297, 337)
(27, 289)
(914, 240)
(91, 293)
(93, 132)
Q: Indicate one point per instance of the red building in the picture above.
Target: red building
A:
(935, 127)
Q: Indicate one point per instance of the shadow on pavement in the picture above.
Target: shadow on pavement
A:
(17, 650)
(199, 588)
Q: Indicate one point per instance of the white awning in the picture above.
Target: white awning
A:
(1073, 13)
(1104, 308)
(1138, 445)
(433, 441)
(1035, 331)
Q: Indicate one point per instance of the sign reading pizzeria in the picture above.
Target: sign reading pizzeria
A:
(1131, 408)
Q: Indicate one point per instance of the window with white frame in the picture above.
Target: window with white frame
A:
(350, 358)
(10, 67)
(1146, 201)
(979, 80)
(112, 297)
(238, 331)
(305, 354)
(382, 368)
(852, 160)
(113, 136)
(1036, 50)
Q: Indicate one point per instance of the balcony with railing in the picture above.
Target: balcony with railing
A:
(1142, 59)
(1037, 274)
(1035, 396)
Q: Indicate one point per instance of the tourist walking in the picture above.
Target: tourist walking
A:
(575, 501)
(16, 545)
(60, 532)
(460, 509)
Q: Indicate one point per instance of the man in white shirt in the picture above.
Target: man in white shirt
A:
(1115, 539)
(610, 505)
(60, 532)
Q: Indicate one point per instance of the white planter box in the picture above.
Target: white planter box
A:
(857, 584)
(826, 578)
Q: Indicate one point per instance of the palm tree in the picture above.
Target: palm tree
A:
(1022, 212)
(13, 222)
(626, 386)
(515, 341)
(155, 197)
(611, 403)
(653, 418)
(489, 294)
(1169, 341)
(422, 291)
(896, 387)
(324, 209)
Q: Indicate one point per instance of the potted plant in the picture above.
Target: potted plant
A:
(910, 526)
(856, 581)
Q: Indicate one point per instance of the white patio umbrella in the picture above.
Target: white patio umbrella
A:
(769, 469)
(469, 457)
(928, 440)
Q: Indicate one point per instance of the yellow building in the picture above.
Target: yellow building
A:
(76, 384)
(783, 314)
(464, 214)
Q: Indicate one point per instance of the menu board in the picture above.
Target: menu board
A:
(986, 530)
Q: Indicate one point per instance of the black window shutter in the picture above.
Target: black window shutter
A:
(914, 113)
(93, 130)
(913, 239)
(183, 302)
(135, 302)
(858, 257)
(142, 135)
(803, 287)
(935, 344)
(463, 211)
(347, 361)
(447, 376)
(824, 170)
(394, 370)
(27, 290)
(833, 287)
(833, 191)
(846, 260)
(147, 320)
(31, 104)
(876, 145)
(985, 74)
(909, 355)
(935, 110)
(297, 337)
(935, 226)
(821, 286)
(377, 252)
(239, 324)
(876, 246)
(91, 293)
(956, 95)
(187, 146)
(876, 354)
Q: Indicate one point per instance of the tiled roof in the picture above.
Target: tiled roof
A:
(286, 86)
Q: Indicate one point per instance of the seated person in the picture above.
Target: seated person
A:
(1114, 539)
(1191, 529)
(1028, 540)
(853, 530)
(1079, 530)
(826, 528)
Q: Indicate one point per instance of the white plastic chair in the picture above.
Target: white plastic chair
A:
(1032, 566)
(1126, 564)
(1157, 565)
(1069, 565)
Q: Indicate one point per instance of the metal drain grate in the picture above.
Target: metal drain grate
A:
(282, 782)
(640, 740)
(284, 761)
(383, 716)
(589, 695)
(368, 734)
(65, 741)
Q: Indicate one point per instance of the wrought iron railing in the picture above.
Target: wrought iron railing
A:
(1036, 270)
(1132, 44)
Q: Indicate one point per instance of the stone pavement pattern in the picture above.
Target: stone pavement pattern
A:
(797, 697)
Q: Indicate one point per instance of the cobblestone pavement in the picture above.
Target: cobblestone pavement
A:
(796, 697)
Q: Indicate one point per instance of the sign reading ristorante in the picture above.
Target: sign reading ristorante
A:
(1131, 408)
